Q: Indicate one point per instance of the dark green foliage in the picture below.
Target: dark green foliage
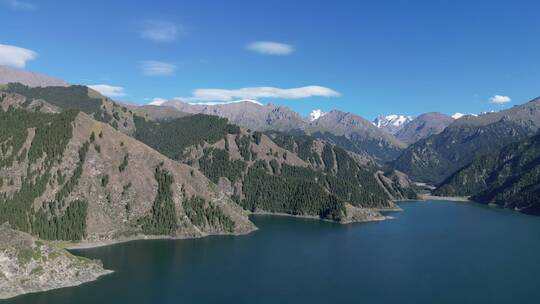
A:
(328, 157)
(53, 132)
(162, 219)
(92, 137)
(257, 137)
(104, 180)
(124, 163)
(275, 166)
(509, 177)
(244, 144)
(437, 157)
(74, 179)
(355, 184)
(215, 163)
(72, 97)
(299, 144)
(289, 195)
(71, 225)
(173, 136)
(205, 214)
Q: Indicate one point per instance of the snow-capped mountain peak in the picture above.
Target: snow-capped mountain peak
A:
(392, 123)
(316, 114)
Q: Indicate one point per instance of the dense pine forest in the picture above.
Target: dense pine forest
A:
(58, 219)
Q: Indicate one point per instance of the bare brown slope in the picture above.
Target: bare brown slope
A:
(31, 79)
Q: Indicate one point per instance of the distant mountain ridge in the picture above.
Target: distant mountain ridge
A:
(423, 126)
(509, 177)
(345, 129)
(435, 158)
(31, 79)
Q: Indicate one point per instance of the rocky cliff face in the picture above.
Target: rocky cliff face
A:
(28, 264)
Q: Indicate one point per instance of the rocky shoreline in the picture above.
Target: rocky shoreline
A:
(29, 265)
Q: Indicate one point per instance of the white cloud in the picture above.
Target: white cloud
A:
(159, 30)
(157, 68)
(260, 92)
(20, 5)
(499, 99)
(15, 56)
(270, 48)
(108, 90)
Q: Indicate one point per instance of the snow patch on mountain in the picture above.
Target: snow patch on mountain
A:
(392, 123)
(157, 101)
(316, 114)
(458, 115)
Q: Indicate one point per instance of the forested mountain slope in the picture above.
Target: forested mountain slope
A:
(348, 130)
(271, 172)
(67, 176)
(509, 178)
(435, 158)
(315, 177)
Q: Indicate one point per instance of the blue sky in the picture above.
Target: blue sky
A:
(367, 57)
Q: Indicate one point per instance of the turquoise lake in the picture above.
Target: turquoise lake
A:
(432, 252)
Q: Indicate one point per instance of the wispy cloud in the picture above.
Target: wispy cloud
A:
(157, 68)
(109, 90)
(500, 99)
(259, 92)
(20, 5)
(159, 30)
(270, 48)
(15, 56)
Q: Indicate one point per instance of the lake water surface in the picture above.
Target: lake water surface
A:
(432, 252)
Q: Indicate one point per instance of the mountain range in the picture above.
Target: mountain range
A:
(108, 171)
(77, 166)
(435, 158)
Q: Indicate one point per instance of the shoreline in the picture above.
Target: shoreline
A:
(426, 197)
(104, 243)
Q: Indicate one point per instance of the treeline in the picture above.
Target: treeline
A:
(172, 137)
